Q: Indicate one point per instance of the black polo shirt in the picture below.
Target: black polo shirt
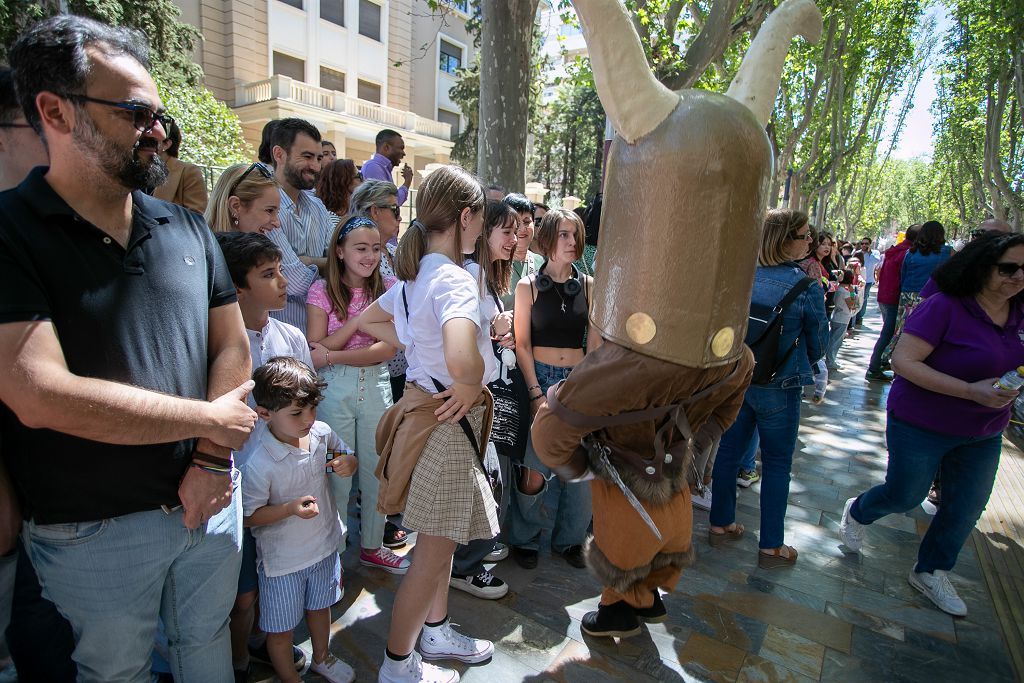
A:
(137, 316)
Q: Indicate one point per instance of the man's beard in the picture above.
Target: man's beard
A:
(296, 180)
(122, 165)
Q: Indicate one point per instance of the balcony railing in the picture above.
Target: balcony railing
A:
(285, 88)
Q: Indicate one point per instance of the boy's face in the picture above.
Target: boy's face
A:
(266, 287)
(290, 423)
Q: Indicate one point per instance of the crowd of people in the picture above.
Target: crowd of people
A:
(227, 376)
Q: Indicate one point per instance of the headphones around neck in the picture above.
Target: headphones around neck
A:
(573, 286)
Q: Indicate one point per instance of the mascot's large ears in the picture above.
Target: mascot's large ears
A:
(636, 102)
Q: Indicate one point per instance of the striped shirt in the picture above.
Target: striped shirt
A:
(307, 224)
(300, 277)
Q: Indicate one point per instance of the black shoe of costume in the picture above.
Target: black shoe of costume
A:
(655, 614)
(617, 620)
(524, 557)
(574, 556)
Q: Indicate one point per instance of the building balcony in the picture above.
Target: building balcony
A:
(341, 105)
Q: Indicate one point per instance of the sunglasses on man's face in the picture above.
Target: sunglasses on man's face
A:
(1008, 269)
(12, 124)
(143, 118)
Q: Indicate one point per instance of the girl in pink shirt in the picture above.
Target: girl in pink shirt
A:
(354, 365)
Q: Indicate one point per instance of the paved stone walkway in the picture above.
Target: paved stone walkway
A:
(832, 617)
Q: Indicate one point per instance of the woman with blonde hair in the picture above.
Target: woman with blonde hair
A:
(430, 442)
(772, 408)
(246, 199)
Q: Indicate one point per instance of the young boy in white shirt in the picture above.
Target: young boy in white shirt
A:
(254, 263)
(287, 501)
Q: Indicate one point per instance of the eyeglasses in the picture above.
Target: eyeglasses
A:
(255, 167)
(1009, 269)
(807, 236)
(15, 125)
(395, 209)
(143, 118)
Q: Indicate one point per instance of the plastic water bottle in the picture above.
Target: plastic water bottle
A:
(1011, 381)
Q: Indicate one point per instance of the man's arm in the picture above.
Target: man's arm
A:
(45, 394)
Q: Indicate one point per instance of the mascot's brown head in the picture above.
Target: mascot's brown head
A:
(685, 192)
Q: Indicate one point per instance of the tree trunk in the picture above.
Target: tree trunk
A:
(506, 39)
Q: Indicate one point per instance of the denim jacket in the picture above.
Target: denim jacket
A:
(804, 322)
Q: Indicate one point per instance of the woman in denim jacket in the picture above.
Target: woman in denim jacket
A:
(773, 409)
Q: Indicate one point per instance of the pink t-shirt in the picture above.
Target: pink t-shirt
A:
(360, 300)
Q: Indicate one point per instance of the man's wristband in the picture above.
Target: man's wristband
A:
(205, 459)
(211, 470)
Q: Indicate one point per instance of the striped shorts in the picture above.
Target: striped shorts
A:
(284, 599)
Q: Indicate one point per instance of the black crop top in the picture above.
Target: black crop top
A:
(550, 326)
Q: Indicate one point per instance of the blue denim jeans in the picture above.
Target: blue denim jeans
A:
(526, 515)
(889, 316)
(749, 460)
(113, 578)
(859, 318)
(969, 467)
(837, 332)
(775, 415)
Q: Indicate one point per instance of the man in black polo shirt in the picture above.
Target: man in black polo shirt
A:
(127, 367)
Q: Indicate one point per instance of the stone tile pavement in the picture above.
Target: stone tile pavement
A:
(832, 617)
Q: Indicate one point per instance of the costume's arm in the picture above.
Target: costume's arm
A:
(558, 444)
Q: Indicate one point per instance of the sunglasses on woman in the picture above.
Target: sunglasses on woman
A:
(1009, 269)
(263, 171)
(395, 209)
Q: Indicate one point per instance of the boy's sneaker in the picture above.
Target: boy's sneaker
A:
(747, 477)
(333, 670)
(444, 642)
(383, 558)
(701, 502)
(261, 655)
(937, 588)
(413, 669)
(851, 532)
(499, 553)
(484, 585)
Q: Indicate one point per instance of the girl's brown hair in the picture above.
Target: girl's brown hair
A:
(337, 291)
(497, 274)
(439, 203)
(252, 187)
(547, 234)
(334, 186)
(780, 226)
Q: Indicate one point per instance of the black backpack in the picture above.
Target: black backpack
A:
(764, 330)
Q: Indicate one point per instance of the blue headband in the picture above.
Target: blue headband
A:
(355, 223)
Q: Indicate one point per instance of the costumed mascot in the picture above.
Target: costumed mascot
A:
(687, 182)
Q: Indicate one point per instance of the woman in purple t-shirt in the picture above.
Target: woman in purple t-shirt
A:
(943, 409)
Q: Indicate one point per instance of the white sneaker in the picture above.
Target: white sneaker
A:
(484, 585)
(851, 532)
(333, 670)
(499, 553)
(413, 669)
(444, 642)
(937, 588)
(702, 502)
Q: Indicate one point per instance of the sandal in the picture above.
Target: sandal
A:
(716, 539)
(783, 556)
(393, 536)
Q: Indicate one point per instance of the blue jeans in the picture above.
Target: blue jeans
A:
(113, 578)
(775, 415)
(969, 467)
(526, 515)
(749, 460)
(889, 316)
(837, 332)
(859, 318)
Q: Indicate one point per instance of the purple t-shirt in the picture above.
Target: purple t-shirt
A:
(968, 346)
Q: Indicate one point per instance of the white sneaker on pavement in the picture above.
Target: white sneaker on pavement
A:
(413, 669)
(333, 670)
(851, 532)
(484, 585)
(444, 642)
(499, 553)
(937, 588)
(701, 502)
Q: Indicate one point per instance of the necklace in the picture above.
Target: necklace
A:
(554, 286)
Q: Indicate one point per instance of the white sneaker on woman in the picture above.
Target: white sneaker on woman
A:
(444, 642)
(851, 532)
(937, 588)
(413, 669)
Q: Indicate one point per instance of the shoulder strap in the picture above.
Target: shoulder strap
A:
(464, 423)
(794, 291)
(405, 302)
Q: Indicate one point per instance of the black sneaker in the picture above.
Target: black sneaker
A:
(525, 557)
(574, 556)
(878, 376)
(655, 614)
(617, 620)
(484, 585)
(261, 655)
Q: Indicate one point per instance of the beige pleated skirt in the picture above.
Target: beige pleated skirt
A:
(449, 495)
